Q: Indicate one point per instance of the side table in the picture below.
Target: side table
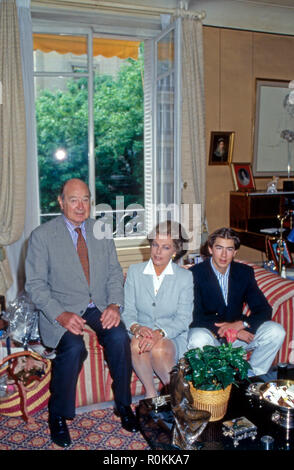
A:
(157, 427)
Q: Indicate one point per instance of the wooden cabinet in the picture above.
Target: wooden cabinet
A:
(255, 211)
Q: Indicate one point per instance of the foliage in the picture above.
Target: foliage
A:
(216, 367)
(62, 122)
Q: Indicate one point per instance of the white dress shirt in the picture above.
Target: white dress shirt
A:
(157, 280)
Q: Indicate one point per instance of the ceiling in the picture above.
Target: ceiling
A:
(272, 16)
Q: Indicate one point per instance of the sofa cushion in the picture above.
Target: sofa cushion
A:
(94, 384)
(276, 289)
(280, 295)
(90, 386)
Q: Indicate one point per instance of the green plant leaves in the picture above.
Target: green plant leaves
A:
(216, 367)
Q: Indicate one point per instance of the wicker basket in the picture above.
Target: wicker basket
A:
(214, 401)
(26, 400)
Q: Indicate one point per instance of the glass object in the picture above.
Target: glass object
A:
(267, 442)
(282, 370)
(272, 185)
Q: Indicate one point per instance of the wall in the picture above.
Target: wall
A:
(232, 61)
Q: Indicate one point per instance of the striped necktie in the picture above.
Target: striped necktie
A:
(83, 253)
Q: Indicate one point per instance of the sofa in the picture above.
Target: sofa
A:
(94, 384)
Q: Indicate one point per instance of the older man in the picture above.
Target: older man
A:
(75, 279)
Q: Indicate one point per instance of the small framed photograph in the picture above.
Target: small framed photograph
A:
(221, 148)
(274, 252)
(242, 176)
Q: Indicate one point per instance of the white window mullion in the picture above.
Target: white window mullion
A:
(178, 115)
(149, 151)
(166, 123)
(91, 148)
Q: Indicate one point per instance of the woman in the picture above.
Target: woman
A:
(158, 307)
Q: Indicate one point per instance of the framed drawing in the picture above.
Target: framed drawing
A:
(221, 148)
(272, 152)
(242, 176)
(274, 252)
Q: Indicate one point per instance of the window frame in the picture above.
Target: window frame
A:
(55, 27)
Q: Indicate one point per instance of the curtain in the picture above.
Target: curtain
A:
(13, 138)
(16, 250)
(193, 114)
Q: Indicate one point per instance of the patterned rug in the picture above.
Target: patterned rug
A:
(94, 430)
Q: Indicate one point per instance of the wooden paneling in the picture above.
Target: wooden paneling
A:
(232, 61)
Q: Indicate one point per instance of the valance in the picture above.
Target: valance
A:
(78, 45)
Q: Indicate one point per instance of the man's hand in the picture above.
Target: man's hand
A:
(246, 336)
(223, 327)
(110, 317)
(72, 322)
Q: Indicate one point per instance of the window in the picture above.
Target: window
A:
(95, 100)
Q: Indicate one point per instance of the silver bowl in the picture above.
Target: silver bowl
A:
(282, 415)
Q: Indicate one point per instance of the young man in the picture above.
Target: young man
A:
(75, 279)
(221, 287)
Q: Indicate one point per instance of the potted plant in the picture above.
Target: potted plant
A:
(213, 370)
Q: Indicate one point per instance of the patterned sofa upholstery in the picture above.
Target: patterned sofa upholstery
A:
(94, 384)
(280, 294)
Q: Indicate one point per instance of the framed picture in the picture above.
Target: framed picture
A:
(273, 119)
(221, 148)
(273, 252)
(242, 176)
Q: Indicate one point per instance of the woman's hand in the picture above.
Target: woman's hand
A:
(146, 343)
(145, 332)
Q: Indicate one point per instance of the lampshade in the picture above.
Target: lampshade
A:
(291, 236)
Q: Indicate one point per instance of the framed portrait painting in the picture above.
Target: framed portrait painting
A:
(221, 148)
(242, 176)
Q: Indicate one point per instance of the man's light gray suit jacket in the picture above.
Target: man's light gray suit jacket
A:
(171, 309)
(55, 279)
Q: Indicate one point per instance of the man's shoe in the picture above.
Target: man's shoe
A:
(128, 419)
(59, 431)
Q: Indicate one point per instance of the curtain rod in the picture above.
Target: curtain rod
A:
(102, 6)
(190, 14)
(115, 7)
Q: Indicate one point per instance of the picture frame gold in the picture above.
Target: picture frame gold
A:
(221, 147)
(242, 176)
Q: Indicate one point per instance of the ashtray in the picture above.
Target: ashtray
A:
(239, 428)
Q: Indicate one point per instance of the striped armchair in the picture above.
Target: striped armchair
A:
(94, 384)
(280, 295)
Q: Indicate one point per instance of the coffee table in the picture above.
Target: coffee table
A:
(157, 427)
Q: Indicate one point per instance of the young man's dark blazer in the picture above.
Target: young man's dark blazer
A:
(209, 304)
